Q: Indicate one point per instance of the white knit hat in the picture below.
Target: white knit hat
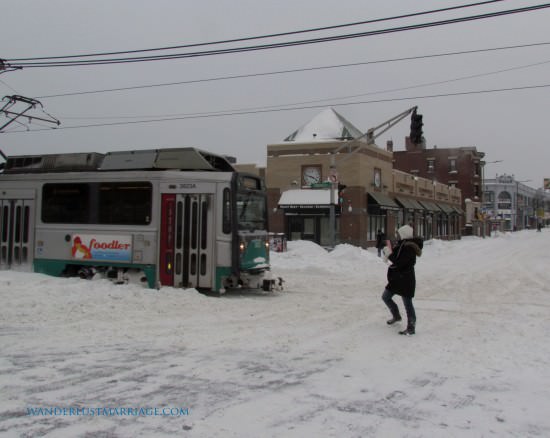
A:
(405, 232)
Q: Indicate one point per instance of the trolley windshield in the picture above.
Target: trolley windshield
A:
(251, 204)
(251, 211)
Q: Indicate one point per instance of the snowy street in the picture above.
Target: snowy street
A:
(316, 359)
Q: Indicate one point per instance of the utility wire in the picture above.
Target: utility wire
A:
(11, 88)
(274, 35)
(298, 70)
(240, 113)
(282, 44)
(327, 99)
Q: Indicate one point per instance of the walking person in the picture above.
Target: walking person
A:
(380, 242)
(401, 277)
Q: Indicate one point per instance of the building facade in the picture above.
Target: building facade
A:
(509, 205)
(460, 167)
(327, 184)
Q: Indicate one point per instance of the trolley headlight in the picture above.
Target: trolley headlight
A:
(242, 246)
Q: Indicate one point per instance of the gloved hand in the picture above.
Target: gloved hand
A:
(386, 251)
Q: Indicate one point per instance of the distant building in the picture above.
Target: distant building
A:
(509, 205)
(459, 167)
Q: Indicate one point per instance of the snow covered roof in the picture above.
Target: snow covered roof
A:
(325, 126)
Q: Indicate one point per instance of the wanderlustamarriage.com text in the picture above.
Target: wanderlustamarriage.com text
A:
(107, 411)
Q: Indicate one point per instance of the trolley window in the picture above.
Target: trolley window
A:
(108, 203)
(125, 203)
(65, 203)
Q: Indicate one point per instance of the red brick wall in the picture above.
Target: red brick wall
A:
(416, 161)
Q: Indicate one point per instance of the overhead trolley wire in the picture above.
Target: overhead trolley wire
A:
(297, 70)
(274, 35)
(326, 99)
(240, 113)
(278, 45)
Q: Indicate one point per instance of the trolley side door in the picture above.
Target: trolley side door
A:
(194, 241)
(205, 244)
(6, 230)
(167, 239)
(16, 233)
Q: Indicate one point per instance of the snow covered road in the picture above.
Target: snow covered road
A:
(314, 360)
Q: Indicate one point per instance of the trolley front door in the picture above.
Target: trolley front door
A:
(186, 248)
(16, 233)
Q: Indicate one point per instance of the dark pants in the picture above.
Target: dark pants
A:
(407, 302)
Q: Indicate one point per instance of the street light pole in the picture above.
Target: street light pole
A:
(332, 217)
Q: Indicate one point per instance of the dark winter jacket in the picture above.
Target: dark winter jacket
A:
(401, 277)
(380, 240)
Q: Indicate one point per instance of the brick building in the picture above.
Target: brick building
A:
(460, 167)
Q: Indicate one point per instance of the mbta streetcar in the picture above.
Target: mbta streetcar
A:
(168, 217)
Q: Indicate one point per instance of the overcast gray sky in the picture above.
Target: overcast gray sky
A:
(508, 125)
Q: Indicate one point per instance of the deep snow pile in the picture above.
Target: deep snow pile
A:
(314, 360)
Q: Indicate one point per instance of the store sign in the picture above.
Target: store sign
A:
(304, 206)
(102, 247)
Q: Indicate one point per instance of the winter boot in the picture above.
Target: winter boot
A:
(395, 318)
(409, 330)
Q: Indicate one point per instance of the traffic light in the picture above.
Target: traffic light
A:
(416, 128)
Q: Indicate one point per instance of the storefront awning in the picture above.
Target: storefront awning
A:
(384, 201)
(304, 198)
(409, 204)
(459, 210)
(447, 209)
(418, 205)
(430, 206)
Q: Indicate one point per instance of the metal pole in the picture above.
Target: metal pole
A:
(517, 206)
(484, 189)
(332, 217)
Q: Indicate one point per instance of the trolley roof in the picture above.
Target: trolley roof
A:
(188, 159)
